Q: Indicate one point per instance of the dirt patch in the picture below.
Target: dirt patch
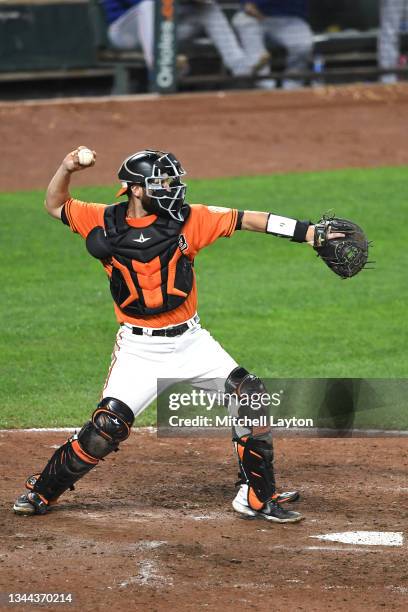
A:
(152, 528)
(213, 134)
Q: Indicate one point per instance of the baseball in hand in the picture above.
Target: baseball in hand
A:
(85, 157)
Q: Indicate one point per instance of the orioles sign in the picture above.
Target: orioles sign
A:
(165, 46)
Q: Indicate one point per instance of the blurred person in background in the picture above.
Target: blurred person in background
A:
(198, 17)
(393, 14)
(131, 25)
(282, 23)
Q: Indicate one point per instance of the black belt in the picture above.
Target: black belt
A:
(169, 332)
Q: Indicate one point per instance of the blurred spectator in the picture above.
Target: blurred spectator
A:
(132, 25)
(197, 17)
(393, 13)
(282, 23)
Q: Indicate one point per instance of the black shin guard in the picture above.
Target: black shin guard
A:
(68, 464)
(110, 425)
(255, 456)
(255, 450)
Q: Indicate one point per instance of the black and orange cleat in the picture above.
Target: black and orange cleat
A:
(274, 512)
(270, 511)
(30, 503)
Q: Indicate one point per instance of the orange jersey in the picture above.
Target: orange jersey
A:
(204, 225)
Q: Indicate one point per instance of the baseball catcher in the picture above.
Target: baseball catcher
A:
(146, 244)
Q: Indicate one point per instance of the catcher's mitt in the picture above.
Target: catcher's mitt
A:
(346, 256)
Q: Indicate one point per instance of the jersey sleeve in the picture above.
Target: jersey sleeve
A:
(207, 223)
(82, 217)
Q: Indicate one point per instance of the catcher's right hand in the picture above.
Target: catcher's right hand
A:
(71, 161)
(347, 253)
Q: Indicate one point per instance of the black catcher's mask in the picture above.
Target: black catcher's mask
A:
(152, 170)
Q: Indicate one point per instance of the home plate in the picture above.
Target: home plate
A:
(365, 538)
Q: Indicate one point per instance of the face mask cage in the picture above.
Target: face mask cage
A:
(165, 187)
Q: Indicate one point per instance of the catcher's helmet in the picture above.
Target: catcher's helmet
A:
(151, 169)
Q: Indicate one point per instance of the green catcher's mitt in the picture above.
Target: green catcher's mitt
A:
(346, 256)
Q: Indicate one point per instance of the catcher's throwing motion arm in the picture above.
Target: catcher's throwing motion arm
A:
(58, 188)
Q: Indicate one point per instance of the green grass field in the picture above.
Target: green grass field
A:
(273, 305)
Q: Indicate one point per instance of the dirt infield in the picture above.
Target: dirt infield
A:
(152, 527)
(214, 135)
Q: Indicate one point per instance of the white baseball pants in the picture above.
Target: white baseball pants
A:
(138, 361)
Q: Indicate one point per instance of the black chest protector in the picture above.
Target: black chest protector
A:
(150, 274)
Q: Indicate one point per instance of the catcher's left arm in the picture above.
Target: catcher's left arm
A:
(341, 243)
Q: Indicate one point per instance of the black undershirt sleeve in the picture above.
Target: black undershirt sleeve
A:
(238, 224)
(64, 218)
